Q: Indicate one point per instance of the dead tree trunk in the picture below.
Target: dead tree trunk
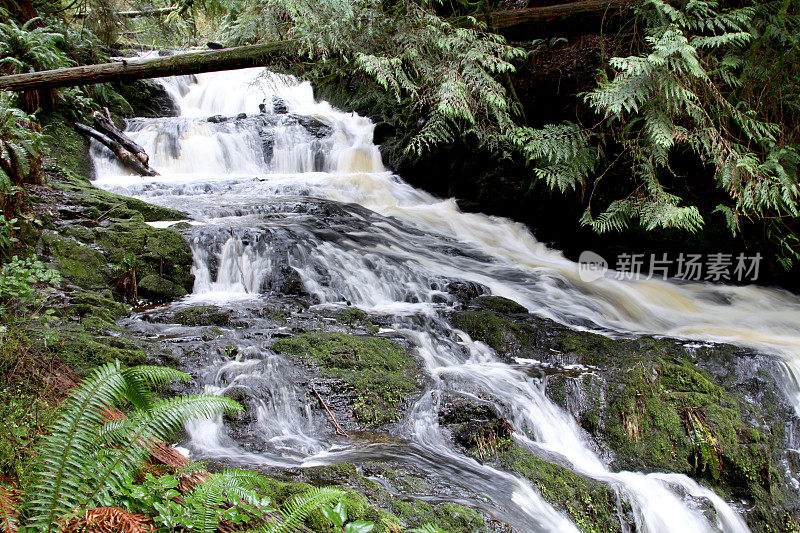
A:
(104, 125)
(155, 12)
(125, 156)
(515, 21)
(134, 69)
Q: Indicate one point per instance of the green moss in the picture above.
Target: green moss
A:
(80, 264)
(451, 517)
(351, 316)
(99, 308)
(378, 373)
(65, 147)
(590, 504)
(204, 315)
(159, 289)
(503, 335)
(670, 416)
(499, 305)
(93, 257)
(109, 205)
(82, 350)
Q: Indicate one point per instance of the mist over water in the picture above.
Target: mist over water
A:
(307, 188)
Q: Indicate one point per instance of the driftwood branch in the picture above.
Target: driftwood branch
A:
(339, 429)
(139, 68)
(125, 156)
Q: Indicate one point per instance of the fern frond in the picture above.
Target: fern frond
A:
(74, 472)
(299, 508)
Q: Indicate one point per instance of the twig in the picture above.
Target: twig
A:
(339, 429)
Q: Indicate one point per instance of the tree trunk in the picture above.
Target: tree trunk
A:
(104, 125)
(125, 156)
(134, 69)
(155, 12)
(575, 13)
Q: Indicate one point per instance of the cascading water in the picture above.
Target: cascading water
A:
(301, 186)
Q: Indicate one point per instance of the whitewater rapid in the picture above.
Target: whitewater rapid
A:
(389, 261)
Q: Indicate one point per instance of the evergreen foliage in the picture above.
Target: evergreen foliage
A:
(446, 77)
(692, 92)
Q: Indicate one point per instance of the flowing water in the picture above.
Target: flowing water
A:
(307, 191)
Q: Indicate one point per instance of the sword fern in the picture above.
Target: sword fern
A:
(85, 459)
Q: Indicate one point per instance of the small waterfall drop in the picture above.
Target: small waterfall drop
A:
(356, 235)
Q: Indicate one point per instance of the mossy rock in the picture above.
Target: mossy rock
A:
(93, 257)
(204, 315)
(378, 375)
(110, 205)
(500, 305)
(81, 264)
(158, 289)
(393, 510)
(65, 147)
(83, 350)
(145, 98)
(590, 504)
(506, 337)
(484, 434)
(670, 416)
(149, 252)
(98, 308)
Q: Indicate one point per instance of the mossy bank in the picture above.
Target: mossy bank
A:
(713, 412)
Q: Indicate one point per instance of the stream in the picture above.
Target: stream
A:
(298, 189)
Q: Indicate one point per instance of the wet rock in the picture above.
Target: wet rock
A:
(500, 305)
(712, 412)
(241, 396)
(241, 116)
(217, 119)
(205, 315)
(292, 283)
(465, 291)
(482, 432)
(279, 106)
(146, 98)
(509, 338)
(315, 127)
(267, 144)
(377, 377)
(159, 289)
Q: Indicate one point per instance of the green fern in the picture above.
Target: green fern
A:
(32, 46)
(84, 460)
(19, 146)
(299, 508)
(560, 154)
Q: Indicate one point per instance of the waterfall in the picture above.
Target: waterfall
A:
(357, 235)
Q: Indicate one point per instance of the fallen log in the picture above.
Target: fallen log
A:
(104, 125)
(516, 20)
(152, 12)
(133, 69)
(124, 155)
